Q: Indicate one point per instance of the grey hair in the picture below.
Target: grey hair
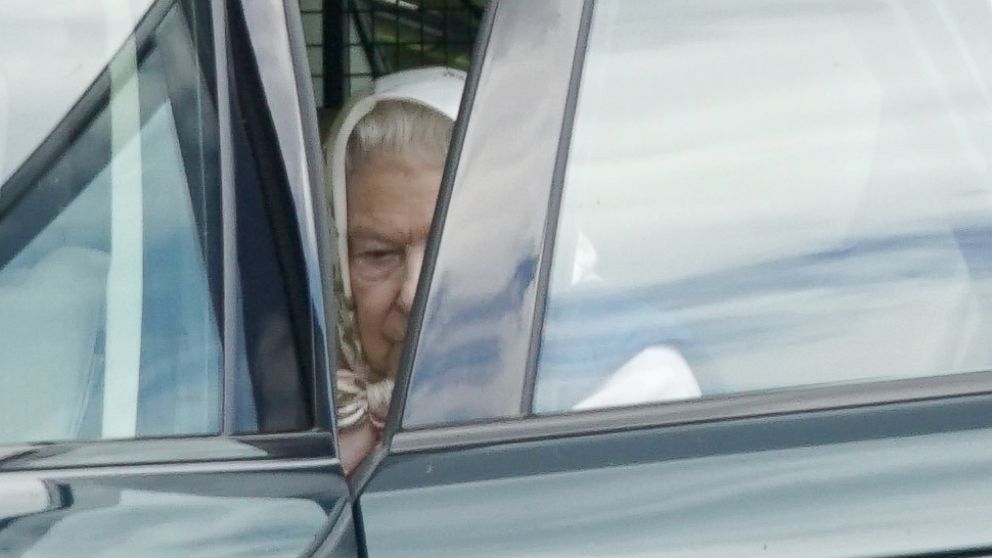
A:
(399, 129)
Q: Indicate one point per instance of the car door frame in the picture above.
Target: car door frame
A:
(293, 466)
(501, 439)
(448, 260)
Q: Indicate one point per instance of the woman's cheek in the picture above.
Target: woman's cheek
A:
(373, 300)
(374, 297)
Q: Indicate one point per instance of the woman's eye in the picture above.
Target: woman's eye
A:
(373, 264)
(378, 255)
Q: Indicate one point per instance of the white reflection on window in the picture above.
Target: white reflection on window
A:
(800, 192)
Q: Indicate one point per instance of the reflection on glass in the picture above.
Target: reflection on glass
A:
(162, 517)
(108, 328)
(780, 193)
(50, 52)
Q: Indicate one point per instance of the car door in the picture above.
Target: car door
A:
(163, 378)
(734, 293)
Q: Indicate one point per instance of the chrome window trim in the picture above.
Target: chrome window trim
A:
(197, 467)
(165, 451)
(231, 317)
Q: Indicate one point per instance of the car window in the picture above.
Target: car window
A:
(772, 194)
(110, 325)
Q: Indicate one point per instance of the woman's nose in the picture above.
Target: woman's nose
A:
(414, 261)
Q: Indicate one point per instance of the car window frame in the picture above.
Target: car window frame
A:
(402, 438)
(494, 60)
(276, 70)
(306, 236)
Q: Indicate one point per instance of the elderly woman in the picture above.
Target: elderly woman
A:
(385, 164)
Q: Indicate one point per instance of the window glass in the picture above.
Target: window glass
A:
(108, 236)
(768, 194)
(52, 51)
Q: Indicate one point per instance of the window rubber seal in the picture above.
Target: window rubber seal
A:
(732, 407)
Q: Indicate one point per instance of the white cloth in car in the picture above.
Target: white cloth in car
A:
(655, 374)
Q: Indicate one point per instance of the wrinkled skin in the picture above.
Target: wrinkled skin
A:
(390, 206)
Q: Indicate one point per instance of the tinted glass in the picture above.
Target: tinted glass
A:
(769, 194)
(110, 325)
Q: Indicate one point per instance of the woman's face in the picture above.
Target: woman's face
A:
(390, 206)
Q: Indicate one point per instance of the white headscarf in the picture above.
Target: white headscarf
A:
(439, 89)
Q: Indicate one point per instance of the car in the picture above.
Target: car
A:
(791, 200)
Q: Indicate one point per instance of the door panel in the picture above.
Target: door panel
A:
(886, 481)
(251, 496)
(734, 476)
(265, 508)
(262, 478)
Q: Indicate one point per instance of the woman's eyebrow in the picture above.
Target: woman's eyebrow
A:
(376, 235)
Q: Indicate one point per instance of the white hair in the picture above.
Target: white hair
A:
(398, 128)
